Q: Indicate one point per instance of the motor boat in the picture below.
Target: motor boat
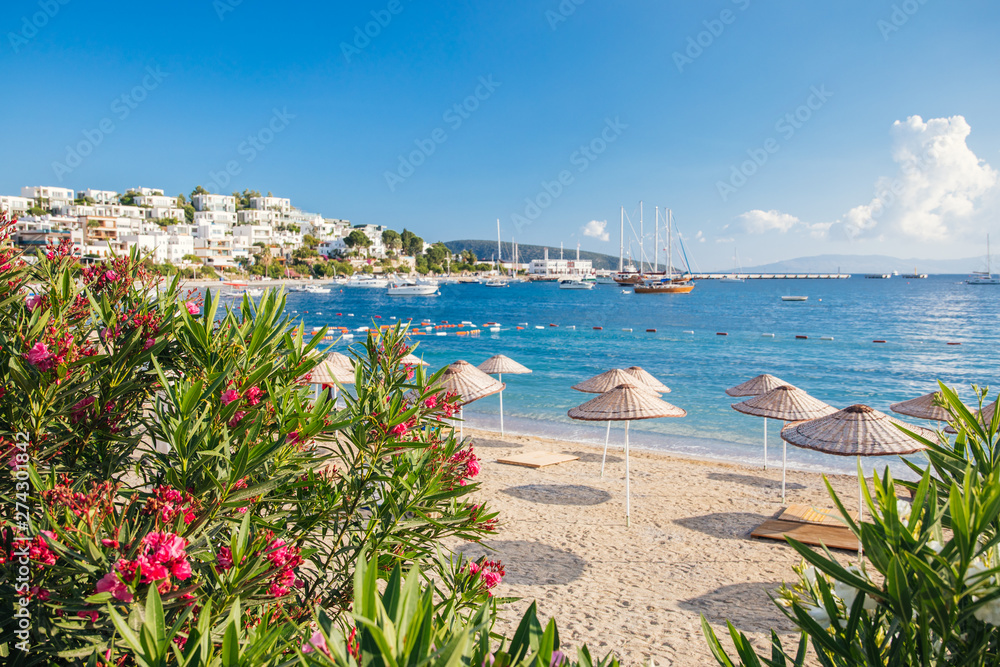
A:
(316, 289)
(363, 280)
(410, 288)
(497, 281)
(570, 283)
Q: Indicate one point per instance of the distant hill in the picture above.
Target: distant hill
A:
(867, 264)
(487, 250)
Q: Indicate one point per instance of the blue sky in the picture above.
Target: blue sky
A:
(290, 100)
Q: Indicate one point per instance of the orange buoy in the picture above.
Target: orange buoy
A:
(954, 343)
(720, 333)
(878, 341)
(802, 337)
(650, 330)
(598, 328)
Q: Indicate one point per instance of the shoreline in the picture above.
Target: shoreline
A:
(639, 591)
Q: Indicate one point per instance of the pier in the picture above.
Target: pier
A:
(771, 276)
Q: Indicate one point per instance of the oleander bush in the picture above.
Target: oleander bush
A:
(175, 493)
(928, 592)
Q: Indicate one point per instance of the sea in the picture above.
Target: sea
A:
(855, 340)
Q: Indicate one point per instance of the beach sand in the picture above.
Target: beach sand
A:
(640, 591)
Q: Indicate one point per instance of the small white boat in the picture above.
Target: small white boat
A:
(794, 298)
(254, 291)
(410, 288)
(570, 283)
(315, 289)
(605, 280)
(497, 282)
(362, 280)
(984, 277)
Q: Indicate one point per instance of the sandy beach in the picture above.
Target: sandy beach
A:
(640, 591)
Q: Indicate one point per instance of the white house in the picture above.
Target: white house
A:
(14, 205)
(209, 230)
(58, 199)
(210, 202)
(102, 196)
(227, 218)
(373, 232)
(156, 201)
(217, 253)
(253, 216)
(251, 234)
(164, 213)
(560, 267)
(276, 204)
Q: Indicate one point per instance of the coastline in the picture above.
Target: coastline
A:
(639, 591)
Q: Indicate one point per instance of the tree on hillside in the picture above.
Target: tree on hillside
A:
(392, 240)
(413, 245)
(128, 199)
(437, 253)
(311, 241)
(357, 239)
(243, 199)
(198, 190)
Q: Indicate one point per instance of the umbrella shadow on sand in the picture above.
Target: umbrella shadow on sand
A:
(740, 604)
(751, 480)
(591, 457)
(495, 444)
(522, 560)
(724, 525)
(559, 494)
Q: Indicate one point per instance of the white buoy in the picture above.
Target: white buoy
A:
(767, 335)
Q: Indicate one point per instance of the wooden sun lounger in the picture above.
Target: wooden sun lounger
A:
(808, 533)
(809, 525)
(537, 459)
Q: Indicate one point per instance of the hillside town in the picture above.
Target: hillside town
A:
(210, 235)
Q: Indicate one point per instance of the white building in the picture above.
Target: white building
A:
(374, 233)
(164, 213)
(208, 230)
(217, 253)
(227, 218)
(253, 216)
(14, 205)
(276, 204)
(102, 196)
(560, 267)
(252, 234)
(210, 202)
(57, 199)
(156, 201)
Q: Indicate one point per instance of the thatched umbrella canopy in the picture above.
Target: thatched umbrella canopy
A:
(756, 386)
(469, 383)
(858, 431)
(646, 378)
(413, 360)
(789, 404)
(625, 402)
(923, 407)
(501, 364)
(985, 416)
(608, 380)
(334, 368)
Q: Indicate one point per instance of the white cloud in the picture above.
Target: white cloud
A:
(699, 237)
(596, 229)
(727, 239)
(759, 222)
(936, 189)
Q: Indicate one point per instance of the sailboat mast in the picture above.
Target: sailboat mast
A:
(642, 237)
(621, 241)
(656, 242)
(670, 246)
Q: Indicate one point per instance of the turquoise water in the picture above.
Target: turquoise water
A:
(916, 318)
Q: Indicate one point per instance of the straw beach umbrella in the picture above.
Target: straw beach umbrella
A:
(755, 387)
(605, 382)
(625, 403)
(500, 364)
(923, 407)
(856, 431)
(985, 416)
(646, 378)
(469, 383)
(413, 360)
(789, 404)
(336, 367)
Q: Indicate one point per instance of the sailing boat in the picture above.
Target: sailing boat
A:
(498, 280)
(671, 283)
(984, 277)
(735, 276)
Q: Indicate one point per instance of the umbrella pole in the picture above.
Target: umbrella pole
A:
(606, 436)
(765, 443)
(784, 466)
(500, 375)
(861, 505)
(461, 423)
(628, 490)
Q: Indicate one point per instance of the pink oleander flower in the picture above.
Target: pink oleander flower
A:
(317, 641)
(79, 410)
(192, 308)
(39, 356)
(39, 548)
(431, 402)
(558, 658)
(472, 466)
(110, 275)
(253, 395)
(293, 438)
(148, 344)
(90, 615)
(110, 583)
(237, 418)
(399, 429)
(33, 301)
(113, 544)
(224, 559)
(40, 594)
(229, 396)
